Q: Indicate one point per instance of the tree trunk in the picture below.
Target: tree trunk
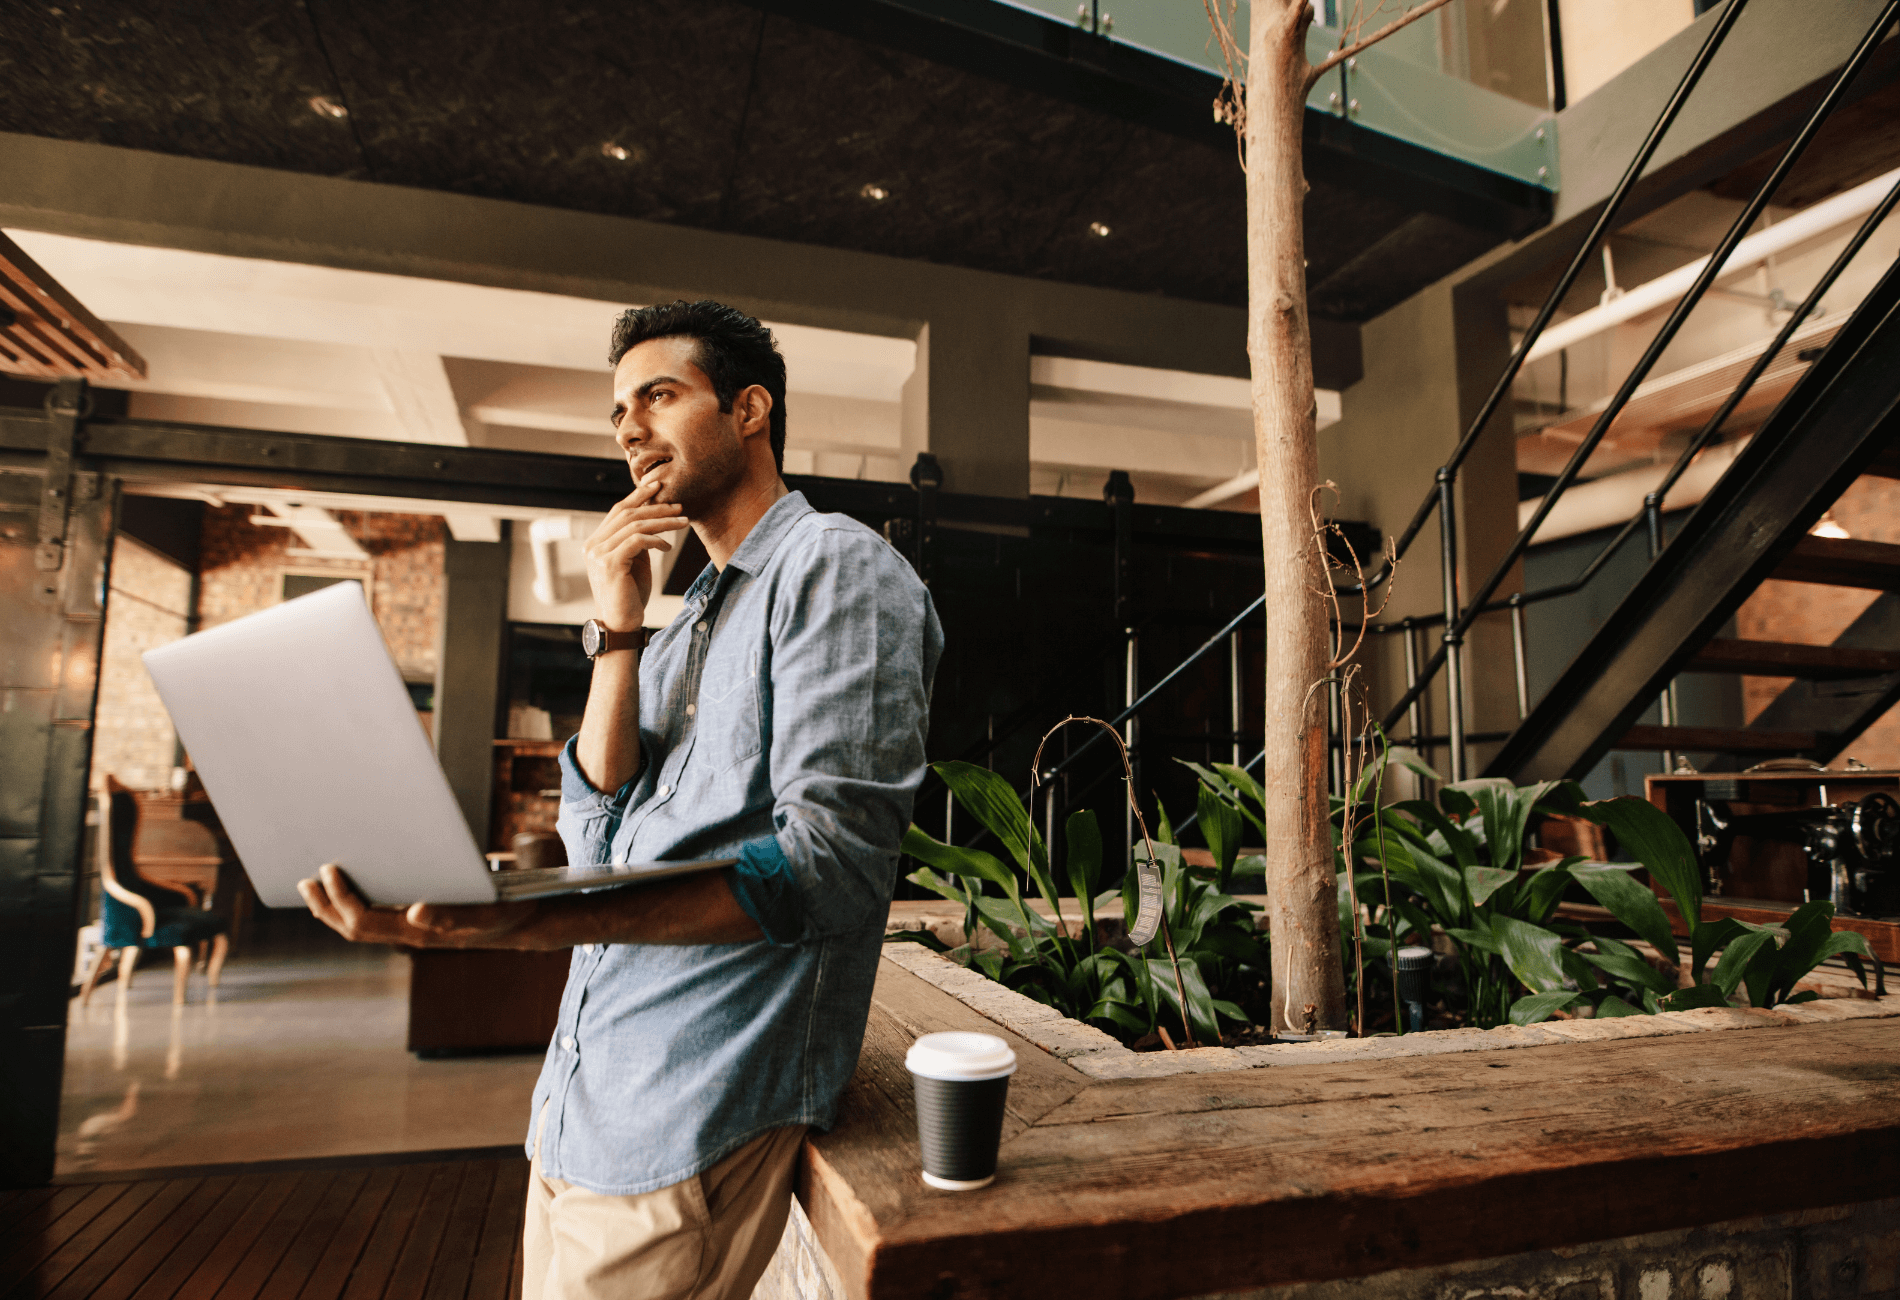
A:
(1308, 987)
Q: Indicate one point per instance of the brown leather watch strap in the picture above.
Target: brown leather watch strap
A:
(634, 640)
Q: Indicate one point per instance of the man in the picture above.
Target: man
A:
(708, 1020)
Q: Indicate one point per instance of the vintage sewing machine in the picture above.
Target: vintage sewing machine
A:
(1783, 834)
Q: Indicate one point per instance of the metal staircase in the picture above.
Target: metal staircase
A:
(1834, 425)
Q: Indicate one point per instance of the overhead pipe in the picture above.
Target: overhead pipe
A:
(1810, 223)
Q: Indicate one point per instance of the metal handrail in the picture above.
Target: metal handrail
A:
(1711, 269)
(1552, 301)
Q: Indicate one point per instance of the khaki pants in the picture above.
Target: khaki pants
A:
(707, 1238)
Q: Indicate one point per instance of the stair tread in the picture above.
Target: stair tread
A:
(1737, 740)
(1843, 562)
(1791, 659)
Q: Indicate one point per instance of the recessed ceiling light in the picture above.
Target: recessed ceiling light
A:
(324, 106)
(875, 193)
(617, 152)
(1099, 230)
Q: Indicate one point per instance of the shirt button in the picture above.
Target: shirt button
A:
(700, 626)
(665, 790)
(567, 1043)
(691, 709)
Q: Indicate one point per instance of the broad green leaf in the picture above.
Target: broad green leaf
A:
(1482, 882)
(1538, 1006)
(1655, 840)
(1242, 780)
(990, 963)
(1808, 929)
(1545, 889)
(1631, 903)
(1697, 995)
(1456, 802)
(1254, 864)
(1614, 1006)
(1631, 969)
(1164, 826)
(1507, 812)
(937, 884)
(1479, 939)
(1408, 758)
(1458, 842)
(1085, 863)
(1220, 827)
(993, 802)
(1736, 955)
(1531, 953)
(974, 863)
(1441, 884)
(1716, 935)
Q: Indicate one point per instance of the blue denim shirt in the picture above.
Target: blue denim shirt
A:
(782, 720)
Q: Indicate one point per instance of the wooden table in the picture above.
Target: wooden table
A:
(1200, 1183)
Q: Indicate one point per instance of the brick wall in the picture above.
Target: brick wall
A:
(244, 566)
(147, 607)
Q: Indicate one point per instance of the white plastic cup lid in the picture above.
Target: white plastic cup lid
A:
(959, 1056)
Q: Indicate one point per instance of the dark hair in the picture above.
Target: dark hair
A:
(735, 351)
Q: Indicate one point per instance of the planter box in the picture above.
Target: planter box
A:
(1647, 1156)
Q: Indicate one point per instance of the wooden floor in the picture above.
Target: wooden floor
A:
(448, 1230)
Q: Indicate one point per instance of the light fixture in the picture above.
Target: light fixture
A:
(875, 193)
(1826, 526)
(324, 106)
(1099, 230)
(617, 152)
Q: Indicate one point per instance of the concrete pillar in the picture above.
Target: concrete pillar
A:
(1429, 364)
(468, 672)
(967, 402)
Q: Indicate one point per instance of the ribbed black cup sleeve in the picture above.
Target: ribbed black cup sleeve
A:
(960, 1125)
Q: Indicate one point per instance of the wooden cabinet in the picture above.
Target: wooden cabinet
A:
(1764, 851)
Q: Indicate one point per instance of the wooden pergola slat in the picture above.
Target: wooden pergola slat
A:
(50, 334)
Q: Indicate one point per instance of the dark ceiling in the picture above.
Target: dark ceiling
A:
(997, 151)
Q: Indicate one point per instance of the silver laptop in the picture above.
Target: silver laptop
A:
(301, 728)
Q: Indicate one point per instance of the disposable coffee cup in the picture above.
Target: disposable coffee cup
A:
(961, 1081)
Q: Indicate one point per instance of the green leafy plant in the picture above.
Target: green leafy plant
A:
(1129, 993)
(1457, 867)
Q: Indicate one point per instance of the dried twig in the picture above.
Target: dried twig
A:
(1230, 102)
(1355, 741)
(1347, 51)
(1134, 806)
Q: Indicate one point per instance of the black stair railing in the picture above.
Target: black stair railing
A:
(1457, 617)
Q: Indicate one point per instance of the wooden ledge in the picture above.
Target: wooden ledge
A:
(1196, 1183)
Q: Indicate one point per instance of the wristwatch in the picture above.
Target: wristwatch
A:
(597, 638)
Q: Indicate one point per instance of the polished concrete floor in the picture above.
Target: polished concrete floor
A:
(299, 1055)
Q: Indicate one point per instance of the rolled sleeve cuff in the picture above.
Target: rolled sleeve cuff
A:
(763, 882)
(579, 794)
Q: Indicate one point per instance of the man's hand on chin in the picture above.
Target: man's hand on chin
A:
(333, 900)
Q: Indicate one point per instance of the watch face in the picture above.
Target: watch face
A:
(591, 638)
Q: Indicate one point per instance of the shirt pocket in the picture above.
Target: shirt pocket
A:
(728, 711)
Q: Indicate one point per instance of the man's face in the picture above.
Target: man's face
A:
(668, 422)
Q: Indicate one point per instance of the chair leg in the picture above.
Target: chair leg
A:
(128, 962)
(214, 968)
(93, 969)
(181, 962)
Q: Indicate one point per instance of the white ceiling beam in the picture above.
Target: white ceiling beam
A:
(420, 396)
